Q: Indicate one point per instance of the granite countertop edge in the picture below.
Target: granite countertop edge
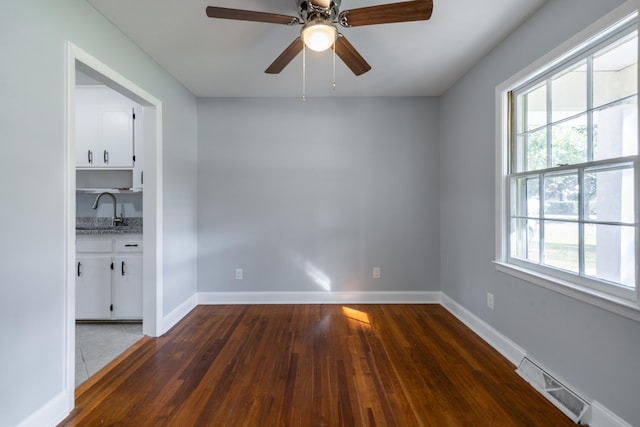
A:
(102, 226)
(106, 231)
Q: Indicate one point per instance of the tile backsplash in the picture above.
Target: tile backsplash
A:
(128, 204)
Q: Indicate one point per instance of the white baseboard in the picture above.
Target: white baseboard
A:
(178, 313)
(51, 413)
(406, 297)
(495, 339)
(600, 416)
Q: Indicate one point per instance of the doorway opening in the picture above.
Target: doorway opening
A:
(80, 62)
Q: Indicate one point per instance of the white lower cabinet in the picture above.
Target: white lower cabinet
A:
(108, 277)
(127, 287)
(93, 287)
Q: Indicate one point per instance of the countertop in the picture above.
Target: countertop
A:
(99, 226)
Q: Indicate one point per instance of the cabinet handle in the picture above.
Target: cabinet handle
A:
(131, 245)
(90, 157)
(79, 264)
(105, 157)
(122, 268)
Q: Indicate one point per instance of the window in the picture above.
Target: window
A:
(570, 167)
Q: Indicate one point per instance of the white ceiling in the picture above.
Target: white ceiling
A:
(226, 58)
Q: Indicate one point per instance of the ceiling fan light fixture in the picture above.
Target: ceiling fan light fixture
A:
(319, 35)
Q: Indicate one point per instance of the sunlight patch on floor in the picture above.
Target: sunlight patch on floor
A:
(358, 315)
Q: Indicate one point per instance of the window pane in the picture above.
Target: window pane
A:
(534, 108)
(569, 145)
(615, 72)
(609, 195)
(561, 246)
(533, 197)
(519, 196)
(525, 240)
(536, 150)
(561, 195)
(616, 130)
(610, 253)
(569, 93)
(533, 242)
(526, 198)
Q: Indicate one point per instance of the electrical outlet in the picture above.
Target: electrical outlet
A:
(376, 273)
(490, 300)
(239, 274)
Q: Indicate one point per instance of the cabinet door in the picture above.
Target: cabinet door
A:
(93, 287)
(127, 287)
(87, 129)
(116, 150)
(104, 128)
(141, 127)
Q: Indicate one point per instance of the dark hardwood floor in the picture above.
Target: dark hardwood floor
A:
(314, 365)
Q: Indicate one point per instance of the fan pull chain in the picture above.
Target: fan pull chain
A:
(334, 67)
(304, 73)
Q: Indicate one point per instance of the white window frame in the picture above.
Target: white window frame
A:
(629, 306)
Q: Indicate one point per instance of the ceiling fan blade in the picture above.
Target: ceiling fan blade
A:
(415, 10)
(285, 57)
(350, 56)
(250, 15)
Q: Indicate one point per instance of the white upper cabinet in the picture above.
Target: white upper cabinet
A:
(104, 129)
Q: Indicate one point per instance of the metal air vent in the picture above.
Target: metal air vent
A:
(557, 393)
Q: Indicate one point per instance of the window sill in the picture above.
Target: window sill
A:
(607, 302)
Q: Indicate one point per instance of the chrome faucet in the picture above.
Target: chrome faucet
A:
(115, 220)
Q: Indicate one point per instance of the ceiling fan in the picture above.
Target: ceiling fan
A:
(318, 19)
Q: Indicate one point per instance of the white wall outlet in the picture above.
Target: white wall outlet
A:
(376, 273)
(490, 300)
(239, 274)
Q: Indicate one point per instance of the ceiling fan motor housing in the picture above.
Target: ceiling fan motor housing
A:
(312, 10)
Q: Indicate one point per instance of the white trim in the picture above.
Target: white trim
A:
(509, 349)
(600, 416)
(608, 302)
(359, 297)
(153, 236)
(152, 196)
(69, 354)
(623, 307)
(152, 258)
(501, 162)
(51, 413)
(178, 313)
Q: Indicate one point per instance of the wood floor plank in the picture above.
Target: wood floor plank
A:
(314, 365)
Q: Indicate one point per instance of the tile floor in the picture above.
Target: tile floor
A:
(97, 344)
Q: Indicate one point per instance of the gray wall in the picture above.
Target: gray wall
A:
(594, 350)
(32, 137)
(338, 185)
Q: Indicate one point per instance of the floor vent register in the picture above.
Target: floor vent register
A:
(566, 400)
